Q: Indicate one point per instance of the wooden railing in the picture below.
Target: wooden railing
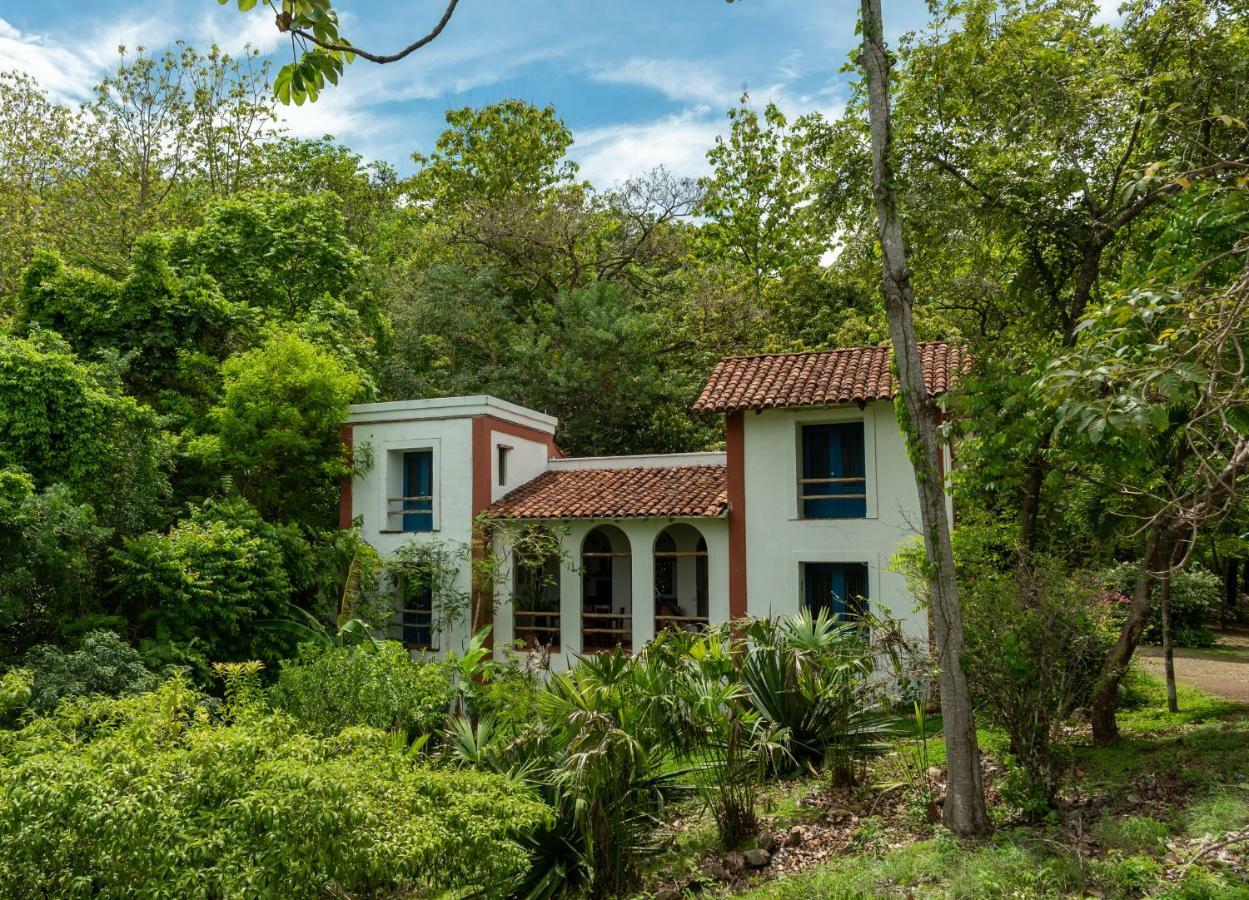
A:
(424, 621)
(533, 633)
(614, 625)
(681, 623)
(805, 496)
(422, 505)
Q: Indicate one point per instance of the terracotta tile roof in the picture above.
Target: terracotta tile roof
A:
(821, 378)
(618, 494)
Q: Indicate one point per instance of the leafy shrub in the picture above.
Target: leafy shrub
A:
(604, 768)
(278, 427)
(691, 685)
(49, 545)
(814, 678)
(67, 422)
(103, 664)
(15, 687)
(212, 580)
(380, 686)
(1035, 636)
(1196, 598)
(156, 795)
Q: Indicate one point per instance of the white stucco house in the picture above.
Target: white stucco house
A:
(808, 503)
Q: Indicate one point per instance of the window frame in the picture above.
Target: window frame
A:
(804, 479)
(409, 508)
(501, 454)
(423, 607)
(808, 568)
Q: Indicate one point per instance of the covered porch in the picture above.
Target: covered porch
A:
(619, 579)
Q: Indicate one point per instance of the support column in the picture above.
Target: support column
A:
(570, 595)
(504, 621)
(641, 534)
(735, 445)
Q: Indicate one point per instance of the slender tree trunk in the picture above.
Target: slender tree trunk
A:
(964, 812)
(1115, 665)
(1030, 508)
(1168, 651)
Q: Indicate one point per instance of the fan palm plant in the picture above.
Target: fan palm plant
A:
(597, 759)
(817, 679)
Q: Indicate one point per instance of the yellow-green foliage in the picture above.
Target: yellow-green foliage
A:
(382, 686)
(156, 795)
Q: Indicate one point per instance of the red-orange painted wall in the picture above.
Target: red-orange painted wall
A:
(735, 445)
(483, 599)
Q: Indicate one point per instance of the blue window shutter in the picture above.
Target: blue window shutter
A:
(837, 587)
(418, 618)
(829, 452)
(418, 482)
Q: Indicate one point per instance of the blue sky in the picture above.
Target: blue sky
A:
(640, 82)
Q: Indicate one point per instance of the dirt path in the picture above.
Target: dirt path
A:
(1222, 670)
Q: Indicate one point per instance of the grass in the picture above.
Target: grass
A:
(1173, 783)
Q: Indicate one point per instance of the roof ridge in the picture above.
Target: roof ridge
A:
(883, 346)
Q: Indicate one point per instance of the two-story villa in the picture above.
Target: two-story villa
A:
(806, 506)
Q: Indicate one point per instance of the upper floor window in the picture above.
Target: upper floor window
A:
(418, 490)
(833, 483)
(503, 451)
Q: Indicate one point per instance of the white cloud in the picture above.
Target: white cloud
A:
(680, 143)
(62, 72)
(676, 79)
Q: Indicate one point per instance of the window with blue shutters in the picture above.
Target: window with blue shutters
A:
(416, 617)
(418, 490)
(839, 588)
(833, 483)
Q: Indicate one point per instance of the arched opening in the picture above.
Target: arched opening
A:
(681, 596)
(535, 593)
(606, 590)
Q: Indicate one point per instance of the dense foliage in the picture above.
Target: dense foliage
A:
(159, 794)
(380, 686)
(190, 300)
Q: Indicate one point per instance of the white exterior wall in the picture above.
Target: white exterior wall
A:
(641, 563)
(445, 427)
(451, 443)
(526, 460)
(779, 540)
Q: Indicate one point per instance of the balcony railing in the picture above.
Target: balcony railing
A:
(413, 510)
(537, 627)
(681, 623)
(803, 495)
(599, 629)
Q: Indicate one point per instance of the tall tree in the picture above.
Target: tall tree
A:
(1156, 390)
(964, 811)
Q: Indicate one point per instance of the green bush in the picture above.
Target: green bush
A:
(278, 422)
(1196, 596)
(1035, 638)
(49, 546)
(156, 795)
(381, 686)
(67, 422)
(211, 580)
(103, 664)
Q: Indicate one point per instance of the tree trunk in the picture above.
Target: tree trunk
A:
(1115, 665)
(964, 812)
(1030, 508)
(1168, 651)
